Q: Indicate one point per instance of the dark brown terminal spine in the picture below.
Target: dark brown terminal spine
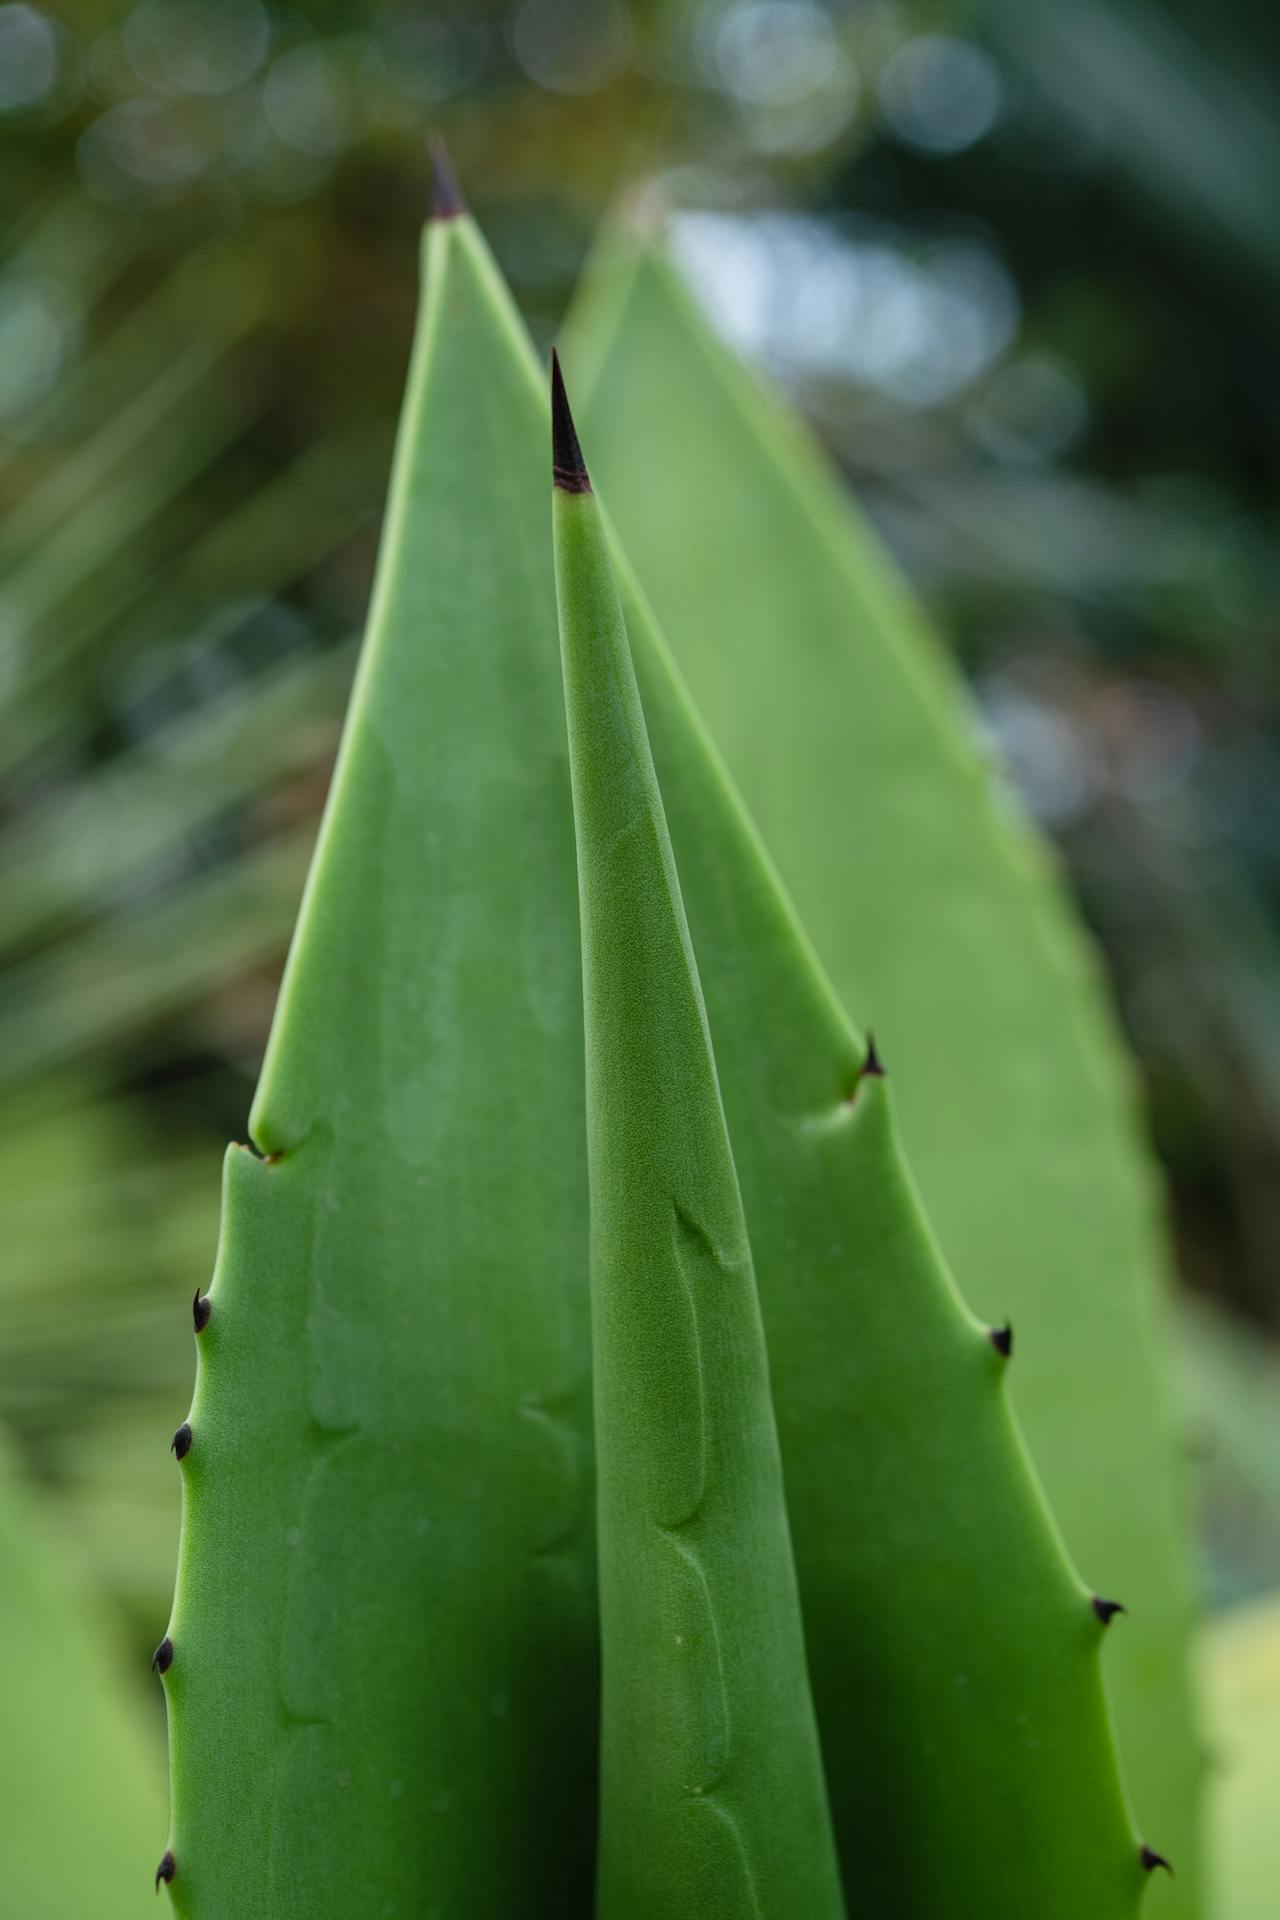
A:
(568, 468)
(447, 202)
(166, 1870)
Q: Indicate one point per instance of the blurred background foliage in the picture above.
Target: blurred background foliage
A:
(1018, 263)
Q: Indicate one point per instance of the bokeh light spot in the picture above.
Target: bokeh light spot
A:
(814, 299)
(567, 46)
(940, 94)
(308, 98)
(1030, 412)
(140, 152)
(198, 48)
(39, 331)
(28, 57)
(795, 86)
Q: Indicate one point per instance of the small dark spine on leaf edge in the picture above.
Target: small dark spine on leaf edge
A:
(162, 1658)
(568, 468)
(447, 202)
(1151, 1859)
(1107, 1610)
(201, 1308)
(873, 1064)
(181, 1441)
(166, 1870)
(1001, 1339)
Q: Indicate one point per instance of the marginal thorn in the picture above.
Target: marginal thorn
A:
(201, 1308)
(568, 468)
(1151, 1859)
(1107, 1610)
(873, 1064)
(447, 202)
(181, 1441)
(162, 1658)
(166, 1870)
(1001, 1339)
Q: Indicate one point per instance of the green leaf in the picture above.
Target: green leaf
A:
(390, 1420)
(711, 1790)
(953, 1652)
(383, 1691)
(80, 1779)
(935, 915)
(1242, 1685)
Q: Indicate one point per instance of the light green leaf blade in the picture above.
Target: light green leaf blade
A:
(80, 1775)
(939, 925)
(953, 1652)
(1241, 1664)
(711, 1796)
(383, 1690)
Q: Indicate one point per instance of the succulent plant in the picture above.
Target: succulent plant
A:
(935, 912)
(383, 1688)
(485, 1352)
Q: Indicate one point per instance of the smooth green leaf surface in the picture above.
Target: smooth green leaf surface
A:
(1241, 1664)
(80, 1774)
(712, 1799)
(939, 925)
(383, 1690)
(953, 1652)
(384, 1659)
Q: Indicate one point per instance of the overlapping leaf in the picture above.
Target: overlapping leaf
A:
(712, 1798)
(383, 1686)
(938, 922)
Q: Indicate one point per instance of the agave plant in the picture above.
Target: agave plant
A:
(596, 1495)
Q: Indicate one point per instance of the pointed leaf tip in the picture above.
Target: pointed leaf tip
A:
(568, 468)
(447, 202)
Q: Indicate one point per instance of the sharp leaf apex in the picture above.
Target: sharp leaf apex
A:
(568, 468)
(447, 202)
